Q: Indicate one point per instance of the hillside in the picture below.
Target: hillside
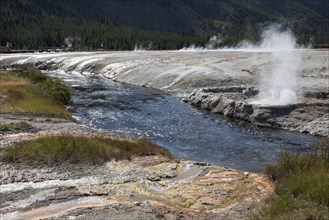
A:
(241, 19)
(157, 24)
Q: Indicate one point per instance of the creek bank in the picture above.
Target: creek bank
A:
(144, 187)
(37, 126)
(148, 187)
(186, 71)
(310, 116)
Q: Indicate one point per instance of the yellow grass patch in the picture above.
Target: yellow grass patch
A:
(18, 94)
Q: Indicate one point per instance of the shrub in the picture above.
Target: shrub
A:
(56, 88)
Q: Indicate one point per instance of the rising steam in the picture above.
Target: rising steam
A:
(212, 44)
(279, 86)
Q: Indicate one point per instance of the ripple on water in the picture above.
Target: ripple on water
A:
(188, 132)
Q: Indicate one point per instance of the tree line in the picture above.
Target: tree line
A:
(156, 24)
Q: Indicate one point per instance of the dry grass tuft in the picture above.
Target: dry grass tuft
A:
(54, 150)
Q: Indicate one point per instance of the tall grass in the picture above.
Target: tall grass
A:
(33, 92)
(37, 105)
(302, 185)
(9, 81)
(68, 149)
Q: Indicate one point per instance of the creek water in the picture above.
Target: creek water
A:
(189, 133)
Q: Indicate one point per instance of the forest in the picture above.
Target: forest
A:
(155, 24)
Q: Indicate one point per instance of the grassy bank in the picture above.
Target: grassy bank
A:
(302, 185)
(33, 92)
(93, 150)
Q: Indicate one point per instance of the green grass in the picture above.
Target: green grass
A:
(288, 207)
(71, 149)
(39, 106)
(33, 92)
(54, 88)
(302, 185)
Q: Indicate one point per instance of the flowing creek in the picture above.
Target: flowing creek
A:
(189, 133)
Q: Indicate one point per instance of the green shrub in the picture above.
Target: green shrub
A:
(33, 75)
(55, 88)
(58, 90)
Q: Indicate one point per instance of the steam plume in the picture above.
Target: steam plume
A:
(279, 86)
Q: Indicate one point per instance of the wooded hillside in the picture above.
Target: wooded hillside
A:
(155, 24)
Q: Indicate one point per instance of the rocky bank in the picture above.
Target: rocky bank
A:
(310, 116)
(155, 187)
(184, 71)
(150, 187)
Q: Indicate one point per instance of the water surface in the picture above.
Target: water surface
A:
(189, 133)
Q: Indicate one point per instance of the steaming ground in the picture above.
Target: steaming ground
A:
(183, 70)
(145, 188)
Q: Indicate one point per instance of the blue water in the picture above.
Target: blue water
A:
(189, 133)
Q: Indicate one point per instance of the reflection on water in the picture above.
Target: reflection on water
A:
(188, 132)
